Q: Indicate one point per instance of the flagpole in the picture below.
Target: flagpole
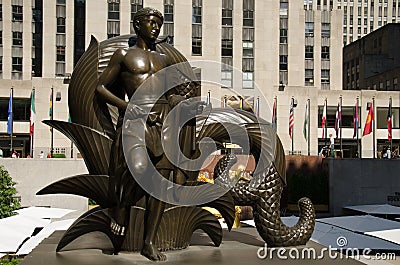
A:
(391, 118)
(340, 124)
(373, 127)
(12, 119)
(33, 93)
(309, 127)
(357, 124)
(258, 107)
(293, 126)
(52, 118)
(326, 121)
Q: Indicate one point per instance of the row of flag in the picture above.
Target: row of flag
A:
(32, 114)
(338, 118)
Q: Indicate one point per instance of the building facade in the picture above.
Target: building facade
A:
(257, 49)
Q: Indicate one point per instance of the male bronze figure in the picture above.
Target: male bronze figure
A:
(131, 68)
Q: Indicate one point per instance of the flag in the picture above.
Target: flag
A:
(10, 114)
(274, 119)
(257, 108)
(356, 120)
(368, 122)
(51, 108)
(338, 119)
(306, 122)
(324, 120)
(291, 120)
(51, 105)
(33, 113)
(389, 120)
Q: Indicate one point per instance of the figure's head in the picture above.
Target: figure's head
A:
(147, 23)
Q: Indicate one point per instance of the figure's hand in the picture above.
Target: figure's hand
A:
(174, 100)
(192, 107)
(136, 112)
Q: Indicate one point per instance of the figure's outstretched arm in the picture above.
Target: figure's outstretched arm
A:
(108, 77)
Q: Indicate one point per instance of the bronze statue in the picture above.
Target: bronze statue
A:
(131, 219)
(130, 68)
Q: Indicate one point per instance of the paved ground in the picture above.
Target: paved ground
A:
(239, 247)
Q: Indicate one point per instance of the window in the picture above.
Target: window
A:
(17, 64)
(196, 46)
(283, 62)
(248, 18)
(309, 29)
(196, 27)
(226, 72)
(196, 15)
(227, 7)
(347, 116)
(395, 87)
(248, 50)
(309, 52)
(227, 48)
(226, 78)
(248, 13)
(168, 13)
(381, 117)
(113, 10)
(17, 38)
(61, 25)
(135, 6)
(309, 77)
(17, 14)
(283, 9)
(326, 30)
(248, 80)
(60, 53)
(325, 52)
(21, 109)
(325, 78)
(283, 36)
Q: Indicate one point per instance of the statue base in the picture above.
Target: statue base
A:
(240, 246)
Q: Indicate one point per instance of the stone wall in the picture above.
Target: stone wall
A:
(31, 175)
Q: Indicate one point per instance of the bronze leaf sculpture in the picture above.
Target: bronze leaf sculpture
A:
(128, 217)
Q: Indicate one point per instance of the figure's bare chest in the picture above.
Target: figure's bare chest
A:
(144, 62)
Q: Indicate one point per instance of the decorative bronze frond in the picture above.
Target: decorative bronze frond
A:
(94, 146)
(94, 187)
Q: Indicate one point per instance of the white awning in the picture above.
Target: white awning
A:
(375, 209)
(16, 229)
(44, 212)
(392, 235)
(361, 223)
(34, 241)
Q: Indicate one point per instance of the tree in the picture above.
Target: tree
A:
(8, 203)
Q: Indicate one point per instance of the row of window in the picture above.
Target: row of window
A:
(61, 14)
(325, 29)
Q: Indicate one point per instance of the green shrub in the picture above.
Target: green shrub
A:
(58, 156)
(8, 203)
(10, 262)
